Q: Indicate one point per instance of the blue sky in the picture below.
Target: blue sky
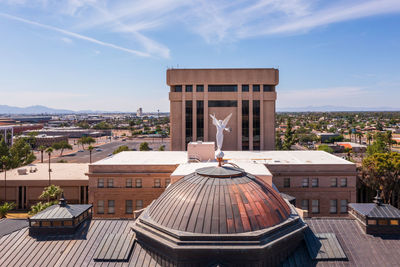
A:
(113, 55)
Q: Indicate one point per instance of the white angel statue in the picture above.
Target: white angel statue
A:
(221, 126)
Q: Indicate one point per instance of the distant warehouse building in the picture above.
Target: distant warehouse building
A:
(72, 132)
(47, 140)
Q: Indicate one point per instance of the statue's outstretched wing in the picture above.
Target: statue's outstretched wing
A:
(226, 120)
(215, 121)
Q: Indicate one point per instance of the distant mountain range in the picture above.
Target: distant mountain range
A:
(5, 109)
(334, 108)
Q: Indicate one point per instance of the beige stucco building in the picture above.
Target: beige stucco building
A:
(249, 94)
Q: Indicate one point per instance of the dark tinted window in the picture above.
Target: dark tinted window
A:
(268, 88)
(188, 88)
(256, 124)
(200, 120)
(222, 88)
(256, 88)
(245, 124)
(199, 88)
(189, 121)
(222, 103)
(245, 88)
(177, 88)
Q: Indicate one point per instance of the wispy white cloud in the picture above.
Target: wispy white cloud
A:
(215, 20)
(75, 35)
(66, 40)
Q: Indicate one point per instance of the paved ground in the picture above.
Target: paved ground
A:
(107, 149)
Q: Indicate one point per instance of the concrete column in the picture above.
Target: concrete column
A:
(251, 117)
(239, 118)
(206, 114)
(262, 118)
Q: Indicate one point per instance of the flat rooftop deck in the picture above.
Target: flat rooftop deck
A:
(265, 157)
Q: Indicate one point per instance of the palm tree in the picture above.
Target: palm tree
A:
(49, 150)
(369, 138)
(388, 137)
(5, 162)
(90, 148)
(360, 135)
(41, 149)
(52, 192)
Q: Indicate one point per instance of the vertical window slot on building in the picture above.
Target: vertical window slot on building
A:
(200, 120)
(245, 124)
(256, 124)
(189, 121)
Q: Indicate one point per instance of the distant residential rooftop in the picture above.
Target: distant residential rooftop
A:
(265, 157)
(60, 171)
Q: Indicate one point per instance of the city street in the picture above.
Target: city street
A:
(103, 151)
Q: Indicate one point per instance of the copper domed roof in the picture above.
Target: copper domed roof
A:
(219, 200)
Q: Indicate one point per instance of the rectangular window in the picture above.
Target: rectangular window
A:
(256, 88)
(128, 206)
(343, 182)
(343, 206)
(371, 222)
(129, 182)
(382, 222)
(177, 88)
(199, 88)
(304, 204)
(110, 182)
(139, 204)
(222, 103)
(245, 124)
(268, 88)
(100, 206)
(222, 88)
(188, 88)
(138, 183)
(286, 182)
(100, 183)
(256, 124)
(394, 222)
(315, 206)
(189, 121)
(333, 182)
(245, 87)
(200, 120)
(157, 183)
(314, 182)
(111, 207)
(304, 182)
(167, 182)
(333, 208)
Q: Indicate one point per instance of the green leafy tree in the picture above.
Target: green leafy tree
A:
(5, 164)
(21, 153)
(86, 140)
(382, 171)
(325, 148)
(5, 208)
(378, 146)
(161, 148)
(290, 137)
(389, 139)
(62, 145)
(278, 141)
(369, 138)
(144, 146)
(120, 149)
(102, 126)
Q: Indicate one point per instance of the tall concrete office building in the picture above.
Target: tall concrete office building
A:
(249, 94)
